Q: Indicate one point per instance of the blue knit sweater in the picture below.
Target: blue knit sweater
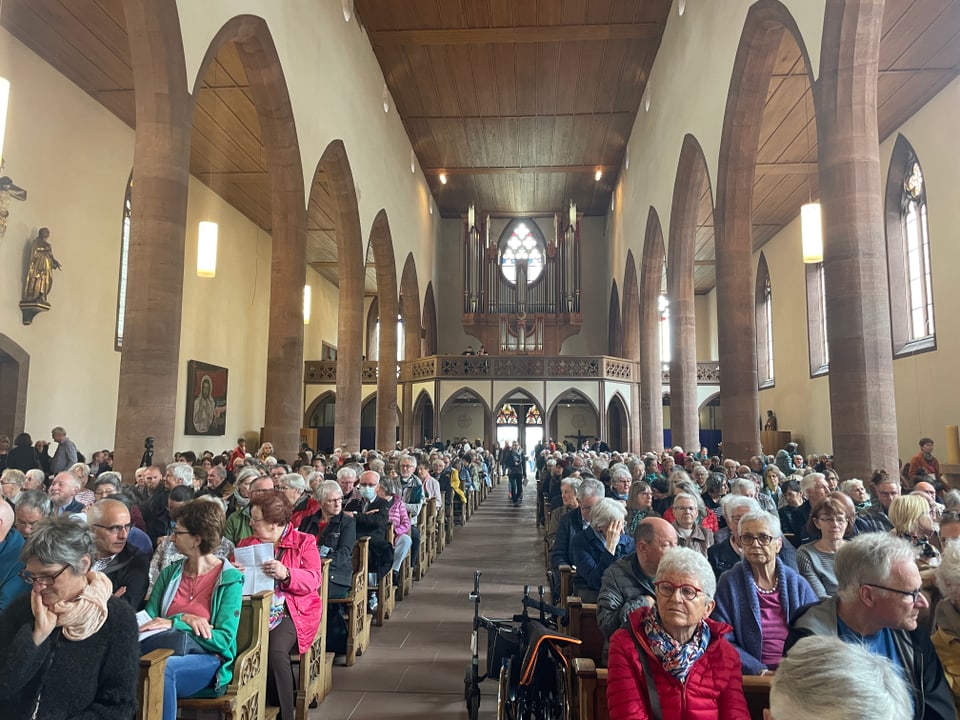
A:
(738, 606)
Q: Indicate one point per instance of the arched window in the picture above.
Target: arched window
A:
(124, 259)
(522, 241)
(663, 306)
(908, 254)
(763, 311)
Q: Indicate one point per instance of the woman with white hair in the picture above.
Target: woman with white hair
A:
(596, 548)
(946, 635)
(671, 660)
(689, 533)
(297, 491)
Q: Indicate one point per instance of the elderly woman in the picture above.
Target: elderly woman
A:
(68, 649)
(773, 477)
(389, 490)
(639, 505)
(717, 487)
(336, 534)
(857, 492)
(199, 595)
(672, 657)
(297, 607)
(689, 532)
(597, 547)
(910, 517)
(815, 559)
(568, 495)
(297, 491)
(760, 596)
(11, 483)
(683, 484)
(946, 635)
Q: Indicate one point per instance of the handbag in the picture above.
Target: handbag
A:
(180, 641)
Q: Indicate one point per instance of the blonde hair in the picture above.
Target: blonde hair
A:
(905, 512)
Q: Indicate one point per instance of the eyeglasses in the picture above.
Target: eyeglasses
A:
(115, 529)
(181, 532)
(912, 594)
(762, 540)
(43, 580)
(835, 519)
(677, 509)
(667, 589)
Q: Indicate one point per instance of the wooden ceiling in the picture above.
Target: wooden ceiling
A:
(519, 102)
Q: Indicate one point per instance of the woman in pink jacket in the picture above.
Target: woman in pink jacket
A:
(672, 662)
(389, 490)
(296, 609)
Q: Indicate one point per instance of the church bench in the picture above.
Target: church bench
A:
(591, 689)
(428, 538)
(756, 688)
(440, 533)
(582, 624)
(448, 521)
(150, 684)
(566, 584)
(354, 605)
(247, 692)
(405, 576)
(314, 668)
(385, 599)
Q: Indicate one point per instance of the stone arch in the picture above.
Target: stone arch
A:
(651, 375)
(614, 325)
(764, 27)
(333, 172)
(471, 395)
(325, 433)
(381, 248)
(14, 372)
(429, 321)
(618, 423)
(692, 182)
(148, 384)
(288, 220)
(630, 311)
(552, 416)
(410, 309)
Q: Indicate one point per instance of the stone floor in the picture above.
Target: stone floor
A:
(416, 663)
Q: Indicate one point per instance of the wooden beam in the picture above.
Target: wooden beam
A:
(428, 118)
(241, 178)
(538, 170)
(518, 35)
(317, 265)
(787, 168)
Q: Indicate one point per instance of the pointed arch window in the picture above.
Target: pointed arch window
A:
(663, 307)
(522, 243)
(817, 320)
(124, 261)
(763, 310)
(908, 254)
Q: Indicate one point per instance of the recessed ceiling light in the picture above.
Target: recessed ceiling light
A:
(413, 161)
(386, 98)
(597, 175)
(347, 9)
(681, 6)
(443, 178)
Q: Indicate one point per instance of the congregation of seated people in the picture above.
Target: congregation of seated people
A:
(81, 551)
(793, 549)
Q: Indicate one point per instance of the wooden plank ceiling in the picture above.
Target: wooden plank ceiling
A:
(518, 102)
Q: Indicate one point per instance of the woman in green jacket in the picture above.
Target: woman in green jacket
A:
(201, 595)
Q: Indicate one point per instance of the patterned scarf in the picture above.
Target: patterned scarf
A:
(82, 617)
(676, 658)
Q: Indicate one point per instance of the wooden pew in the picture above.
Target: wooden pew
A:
(440, 538)
(428, 537)
(246, 694)
(405, 576)
(448, 518)
(385, 599)
(756, 688)
(355, 604)
(150, 684)
(314, 668)
(591, 683)
(583, 625)
(566, 584)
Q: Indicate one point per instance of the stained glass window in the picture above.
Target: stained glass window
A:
(916, 236)
(507, 415)
(124, 259)
(522, 244)
(533, 416)
(764, 324)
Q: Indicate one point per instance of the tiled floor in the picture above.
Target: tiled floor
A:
(416, 663)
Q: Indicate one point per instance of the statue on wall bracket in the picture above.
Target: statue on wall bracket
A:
(39, 277)
(8, 192)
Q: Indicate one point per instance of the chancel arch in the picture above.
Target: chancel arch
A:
(321, 416)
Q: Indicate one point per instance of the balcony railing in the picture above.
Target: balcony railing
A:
(471, 367)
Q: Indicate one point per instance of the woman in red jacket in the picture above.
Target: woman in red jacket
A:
(296, 608)
(674, 663)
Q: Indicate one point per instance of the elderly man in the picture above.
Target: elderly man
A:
(11, 542)
(814, 488)
(216, 484)
(874, 518)
(33, 505)
(238, 524)
(155, 513)
(575, 522)
(347, 479)
(127, 568)
(828, 679)
(63, 492)
(628, 583)
(877, 604)
(11, 483)
(412, 491)
(65, 455)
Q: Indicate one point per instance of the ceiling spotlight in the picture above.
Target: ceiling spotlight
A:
(681, 6)
(413, 161)
(443, 178)
(386, 98)
(646, 100)
(597, 175)
(347, 9)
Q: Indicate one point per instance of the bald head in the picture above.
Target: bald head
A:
(654, 536)
(6, 519)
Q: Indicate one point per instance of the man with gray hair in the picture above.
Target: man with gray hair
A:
(877, 604)
(63, 493)
(828, 679)
(575, 522)
(34, 479)
(33, 506)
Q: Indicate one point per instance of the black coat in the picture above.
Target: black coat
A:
(130, 569)
(23, 458)
(92, 679)
(340, 535)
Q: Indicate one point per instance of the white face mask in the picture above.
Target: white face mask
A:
(368, 492)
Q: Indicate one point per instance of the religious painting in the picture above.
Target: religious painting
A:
(206, 411)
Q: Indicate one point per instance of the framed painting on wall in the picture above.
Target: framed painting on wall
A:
(206, 410)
